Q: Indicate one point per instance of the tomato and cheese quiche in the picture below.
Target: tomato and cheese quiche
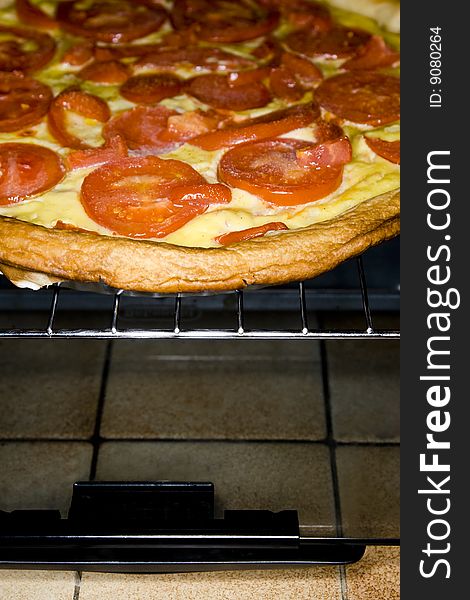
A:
(190, 145)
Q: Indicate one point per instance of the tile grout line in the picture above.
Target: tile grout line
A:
(78, 581)
(343, 580)
(96, 438)
(49, 440)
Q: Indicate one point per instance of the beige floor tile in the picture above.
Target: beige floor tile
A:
(36, 585)
(196, 390)
(369, 483)
(272, 476)
(41, 474)
(318, 583)
(376, 576)
(364, 378)
(49, 388)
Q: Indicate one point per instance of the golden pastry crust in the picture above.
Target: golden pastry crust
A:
(159, 267)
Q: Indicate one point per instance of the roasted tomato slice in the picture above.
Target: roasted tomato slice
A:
(267, 126)
(271, 170)
(33, 15)
(361, 97)
(23, 101)
(24, 49)
(224, 22)
(306, 73)
(217, 91)
(248, 234)
(110, 72)
(141, 128)
(211, 59)
(339, 42)
(333, 153)
(112, 150)
(81, 103)
(284, 85)
(147, 197)
(78, 54)
(372, 55)
(148, 89)
(388, 150)
(26, 170)
(110, 21)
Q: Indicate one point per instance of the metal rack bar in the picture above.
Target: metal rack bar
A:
(178, 331)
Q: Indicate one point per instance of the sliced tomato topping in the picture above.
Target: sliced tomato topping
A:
(148, 89)
(224, 22)
(307, 15)
(69, 227)
(108, 20)
(186, 126)
(267, 126)
(213, 59)
(306, 73)
(361, 97)
(326, 131)
(372, 55)
(217, 91)
(27, 170)
(147, 197)
(79, 102)
(124, 51)
(78, 54)
(339, 42)
(250, 76)
(141, 128)
(33, 15)
(248, 234)
(271, 170)
(23, 101)
(109, 71)
(388, 150)
(112, 150)
(284, 85)
(333, 153)
(27, 50)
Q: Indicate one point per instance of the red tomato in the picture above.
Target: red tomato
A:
(23, 101)
(148, 89)
(224, 22)
(285, 85)
(388, 150)
(27, 170)
(270, 169)
(213, 59)
(339, 42)
(112, 150)
(110, 21)
(27, 50)
(306, 73)
(81, 103)
(78, 54)
(372, 55)
(109, 71)
(33, 15)
(248, 234)
(146, 197)
(267, 126)
(361, 97)
(141, 127)
(216, 91)
(333, 153)
(186, 126)
(249, 76)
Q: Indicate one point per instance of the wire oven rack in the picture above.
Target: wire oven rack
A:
(238, 331)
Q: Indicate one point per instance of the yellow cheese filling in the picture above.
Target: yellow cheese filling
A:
(367, 175)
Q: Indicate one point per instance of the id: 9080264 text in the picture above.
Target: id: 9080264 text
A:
(435, 67)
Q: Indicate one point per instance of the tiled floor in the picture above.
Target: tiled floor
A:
(273, 424)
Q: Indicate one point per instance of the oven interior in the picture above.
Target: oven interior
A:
(254, 428)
